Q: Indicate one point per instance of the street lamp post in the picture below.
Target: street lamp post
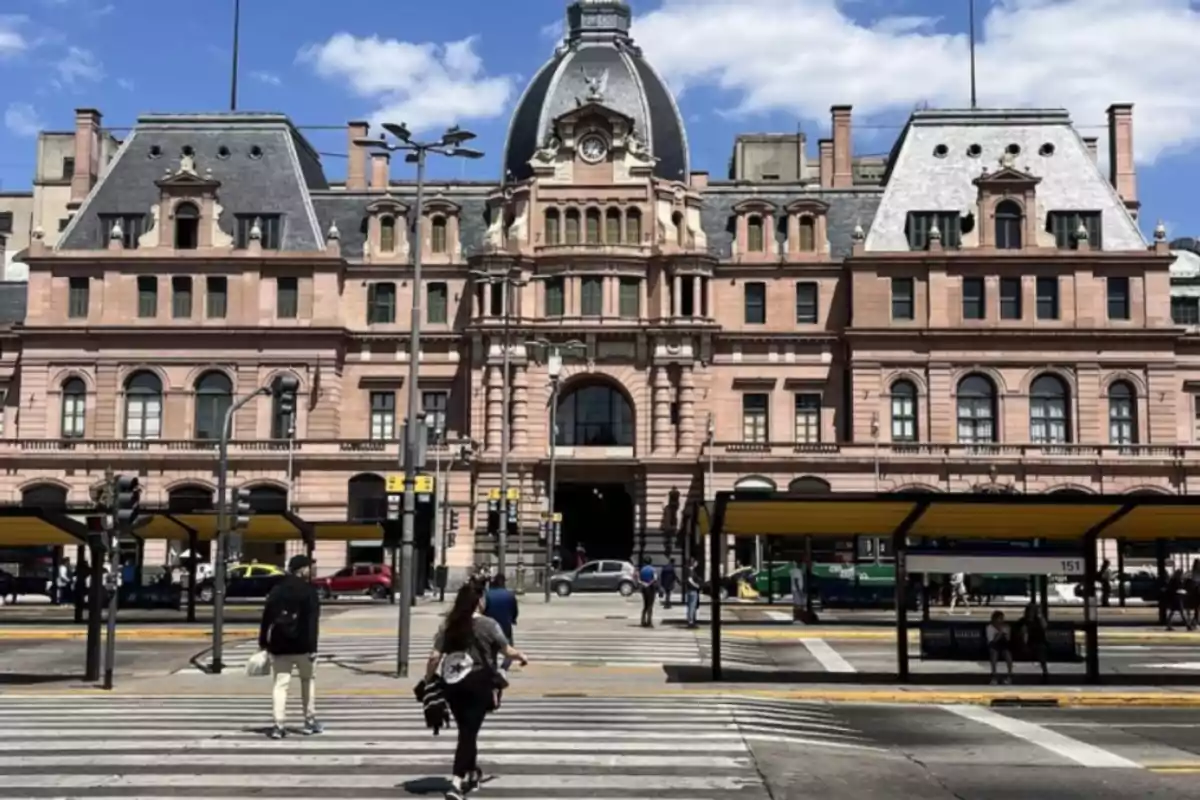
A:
(554, 370)
(450, 144)
(283, 385)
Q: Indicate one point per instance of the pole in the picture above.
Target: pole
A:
(445, 506)
(552, 527)
(411, 432)
(502, 541)
(95, 610)
(438, 510)
(112, 585)
(974, 97)
(233, 79)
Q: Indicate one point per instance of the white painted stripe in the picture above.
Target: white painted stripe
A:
(200, 762)
(357, 781)
(1072, 749)
(831, 660)
(779, 616)
(425, 743)
(762, 737)
(374, 735)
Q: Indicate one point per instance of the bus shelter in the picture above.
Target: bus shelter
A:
(1071, 525)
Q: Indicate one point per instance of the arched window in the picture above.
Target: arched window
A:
(572, 226)
(808, 234)
(755, 242)
(437, 238)
(187, 226)
(904, 412)
(809, 484)
(593, 226)
(366, 498)
(214, 395)
(45, 496)
(283, 413)
(1048, 418)
(74, 408)
(1008, 225)
(143, 406)
(680, 229)
(553, 231)
(612, 226)
(633, 226)
(1122, 414)
(976, 410)
(387, 234)
(596, 415)
(190, 498)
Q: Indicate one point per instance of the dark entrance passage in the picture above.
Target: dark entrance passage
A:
(597, 515)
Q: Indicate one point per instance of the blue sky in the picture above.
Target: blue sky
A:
(739, 65)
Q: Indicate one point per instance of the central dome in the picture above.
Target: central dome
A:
(598, 61)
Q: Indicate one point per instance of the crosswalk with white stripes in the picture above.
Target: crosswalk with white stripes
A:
(122, 747)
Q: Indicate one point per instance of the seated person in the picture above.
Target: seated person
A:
(999, 641)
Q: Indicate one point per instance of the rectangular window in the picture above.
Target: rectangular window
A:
(1185, 310)
(806, 302)
(1118, 297)
(903, 302)
(1047, 297)
(755, 303)
(554, 297)
(808, 418)
(78, 297)
(920, 225)
(1010, 298)
(287, 297)
(754, 418)
(630, 305)
(147, 288)
(68, 168)
(216, 296)
(1065, 227)
(381, 303)
(687, 300)
(383, 415)
(436, 304)
(181, 297)
(132, 228)
(435, 406)
(974, 304)
(591, 298)
(270, 228)
(497, 298)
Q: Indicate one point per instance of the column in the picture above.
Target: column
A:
(696, 282)
(520, 407)
(662, 410)
(687, 408)
(677, 295)
(495, 407)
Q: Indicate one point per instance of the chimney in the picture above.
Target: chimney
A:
(825, 162)
(1120, 154)
(843, 174)
(699, 180)
(381, 171)
(1092, 144)
(356, 171)
(87, 155)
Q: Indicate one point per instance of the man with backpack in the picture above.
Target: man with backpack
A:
(289, 632)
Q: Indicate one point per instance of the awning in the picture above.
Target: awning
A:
(32, 527)
(358, 533)
(284, 527)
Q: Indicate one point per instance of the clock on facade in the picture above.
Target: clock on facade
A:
(593, 148)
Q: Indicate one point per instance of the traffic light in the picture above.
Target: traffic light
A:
(493, 513)
(242, 510)
(452, 533)
(513, 523)
(126, 501)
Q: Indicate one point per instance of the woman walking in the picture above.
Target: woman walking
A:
(464, 656)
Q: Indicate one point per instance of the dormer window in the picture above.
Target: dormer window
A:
(921, 226)
(387, 234)
(437, 238)
(553, 231)
(269, 231)
(808, 234)
(1065, 227)
(1009, 221)
(187, 226)
(755, 240)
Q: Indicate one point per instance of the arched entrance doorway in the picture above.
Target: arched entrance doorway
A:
(595, 415)
(265, 499)
(366, 501)
(597, 517)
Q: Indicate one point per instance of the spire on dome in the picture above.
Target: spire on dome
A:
(598, 19)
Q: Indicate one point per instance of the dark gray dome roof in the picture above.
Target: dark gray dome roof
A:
(598, 46)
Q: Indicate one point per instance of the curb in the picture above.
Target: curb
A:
(138, 634)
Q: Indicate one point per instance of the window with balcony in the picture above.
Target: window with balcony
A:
(187, 226)
(216, 293)
(572, 226)
(1009, 224)
(806, 303)
(976, 410)
(1047, 297)
(214, 396)
(74, 408)
(381, 303)
(181, 297)
(903, 299)
(612, 226)
(974, 304)
(555, 306)
(287, 297)
(591, 297)
(755, 235)
(808, 418)
(387, 234)
(1185, 310)
(1048, 415)
(436, 406)
(147, 289)
(437, 303)
(755, 303)
(808, 235)
(633, 226)
(1065, 227)
(630, 299)
(143, 406)
(283, 420)
(383, 416)
(755, 420)
(1118, 297)
(1010, 298)
(270, 229)
(438, 242)
(593, 226)
(920, 225)
(553, 231)
(904, 412)
(1122, 413)
(78, 297)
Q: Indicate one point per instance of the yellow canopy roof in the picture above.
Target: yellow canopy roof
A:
(347, 531)
(31, 527)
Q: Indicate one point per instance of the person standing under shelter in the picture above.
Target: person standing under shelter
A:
(290, 632)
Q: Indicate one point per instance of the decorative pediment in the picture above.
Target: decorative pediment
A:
(755, 204)
(440, 205)
(387, 205)
(810, 205)
(593, 109)
(1007, 177)
(188, 182)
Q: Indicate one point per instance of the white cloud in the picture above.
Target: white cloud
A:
(126, 84)
(426, 85)
(12, 42)
(1078, 54)
(269, 78)
(22, 119)
(553, 30)
(78, 66)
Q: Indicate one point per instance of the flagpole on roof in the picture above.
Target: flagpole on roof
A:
(974, 96)
(233, 78)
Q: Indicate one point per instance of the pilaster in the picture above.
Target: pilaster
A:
(687, 409)
(662, 410)
(520, 407)
(495, 408)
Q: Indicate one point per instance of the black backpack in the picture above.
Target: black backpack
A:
(285, 628)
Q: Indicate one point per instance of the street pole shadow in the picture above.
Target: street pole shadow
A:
(36, 679)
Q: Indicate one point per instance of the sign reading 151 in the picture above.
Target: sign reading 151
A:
(1071, 566)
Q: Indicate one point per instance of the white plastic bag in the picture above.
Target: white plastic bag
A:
(259, 664)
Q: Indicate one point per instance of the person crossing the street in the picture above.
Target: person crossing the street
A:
(290, 632)
(649, 580)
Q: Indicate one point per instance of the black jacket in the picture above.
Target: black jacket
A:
(293, 592)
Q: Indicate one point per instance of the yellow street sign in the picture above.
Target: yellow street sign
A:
(548, 517)
(514, 494)
(424, 484)
(395, 484)
(557, 517)
(493, 494)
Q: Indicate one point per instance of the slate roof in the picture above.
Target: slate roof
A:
(920, 179)
(263, 163)
(13, 301)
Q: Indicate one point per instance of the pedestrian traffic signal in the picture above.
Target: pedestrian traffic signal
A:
(512, 527)
(493, 514)
(127, 499)
(242, 510)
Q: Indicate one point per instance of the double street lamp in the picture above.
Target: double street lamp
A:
(416, 152)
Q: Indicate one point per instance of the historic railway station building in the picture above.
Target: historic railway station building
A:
(977, 310)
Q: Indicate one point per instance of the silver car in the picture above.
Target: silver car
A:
(596, 576)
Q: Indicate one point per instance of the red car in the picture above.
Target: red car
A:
(374, 580)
